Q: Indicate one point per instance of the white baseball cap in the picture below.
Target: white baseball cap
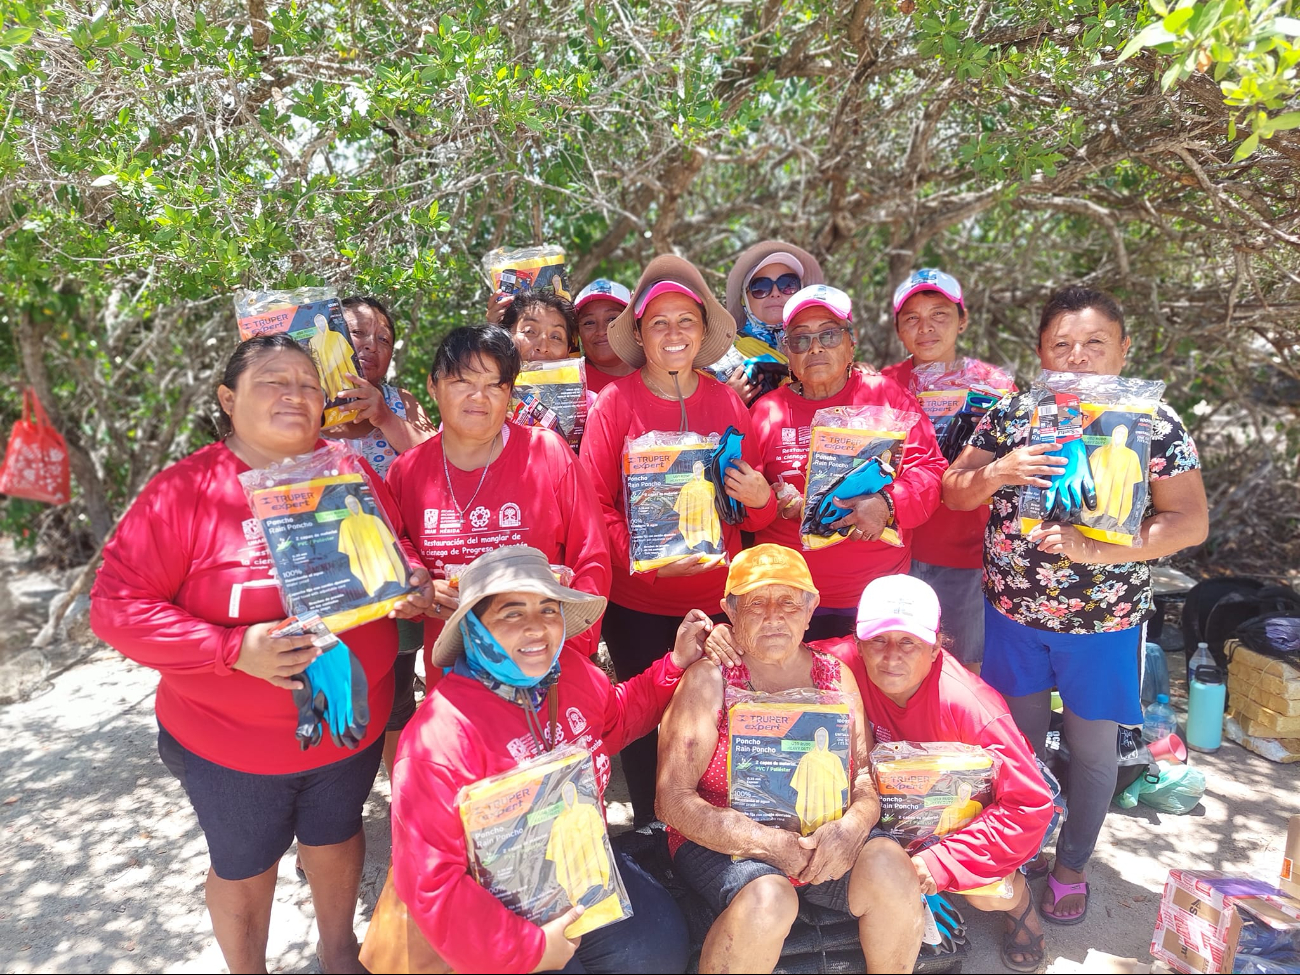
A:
(898, 603)
(603, 288)
(833, 300)
(928, 279)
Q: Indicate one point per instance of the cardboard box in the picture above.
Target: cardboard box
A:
(1290, 881)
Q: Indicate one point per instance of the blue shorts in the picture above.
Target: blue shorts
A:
(1098, 674)
(250, 820)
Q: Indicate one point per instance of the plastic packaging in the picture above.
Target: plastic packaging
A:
(1207, 694)
(335, 554)
(1155, 673)
(1103, 427)
(536, 839)
(553, 395)
(1176, 790)
(930, 789)
(726, 455)
(1158, 719)
(789, 757)
(670, 500)
(842, 440)
(314, 318)
(1001, 889)
(955, 397)
(510, 270)
(763, 363)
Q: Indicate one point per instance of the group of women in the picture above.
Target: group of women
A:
(483, 507)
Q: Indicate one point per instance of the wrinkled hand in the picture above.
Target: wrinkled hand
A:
(415, 603)
(446, 598)
(691, 635)
(747, 485)
(1034, 466)
(786, 853)
(721, 646)
(867, 517)
(789, 501)
(744, 388)
(368, 400)
(275, 659)
(928, 885)
(834, 847)
(1059, 538)
(691, 565)
(496, 307)
(559, 947)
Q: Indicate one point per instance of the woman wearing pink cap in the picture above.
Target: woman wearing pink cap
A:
(948, 550)
(673, 326)
(596, 306)
(818, 339)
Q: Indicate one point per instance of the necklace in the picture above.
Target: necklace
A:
(446, 471)
(654, 387)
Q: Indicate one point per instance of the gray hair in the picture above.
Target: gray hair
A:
(733, 602)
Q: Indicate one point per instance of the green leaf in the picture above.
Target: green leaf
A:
(133, 51)
(15, 36)
(1177, 20)
(1246, 148)
(1287, 120)
(1150, 36)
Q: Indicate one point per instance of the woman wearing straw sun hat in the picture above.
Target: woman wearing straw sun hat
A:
(672, 327)
(513, 693)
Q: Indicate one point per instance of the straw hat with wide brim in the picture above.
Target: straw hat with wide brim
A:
(514, 568)
(719, 328)
(752, 258)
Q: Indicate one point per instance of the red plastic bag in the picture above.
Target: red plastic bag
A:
(36, 460)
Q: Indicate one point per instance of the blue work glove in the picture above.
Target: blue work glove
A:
(336, 687)
(870, 477)
(766, 370)
(946, 918)
(725, 455)
(1073, 487)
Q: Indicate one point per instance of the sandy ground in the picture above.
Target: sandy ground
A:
(102, 862)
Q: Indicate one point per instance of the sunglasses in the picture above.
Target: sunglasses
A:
(828, 338)
(787, 284)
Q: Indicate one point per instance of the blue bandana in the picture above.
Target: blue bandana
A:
(487, 661)
(771, 334)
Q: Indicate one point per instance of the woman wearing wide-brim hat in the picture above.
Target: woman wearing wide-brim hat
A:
(672, 327)
(515, 692)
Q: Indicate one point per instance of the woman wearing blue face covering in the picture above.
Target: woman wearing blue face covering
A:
(512, 694)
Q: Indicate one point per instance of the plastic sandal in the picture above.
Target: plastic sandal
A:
(1033, 951)
(1039, 867)
(1060, 890)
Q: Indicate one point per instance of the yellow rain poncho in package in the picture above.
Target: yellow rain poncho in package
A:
(553, 395)
(1103, 426)
(537, 841)
(853, 451)
(334, 552)
(314, 318)
(513, 269)
(789, 757)
(930, 789)
(669, 500)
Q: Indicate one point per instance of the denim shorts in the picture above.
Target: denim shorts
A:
(961, 606)
(250, 820)
(718, 878)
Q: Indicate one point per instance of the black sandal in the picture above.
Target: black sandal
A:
(1033, 952)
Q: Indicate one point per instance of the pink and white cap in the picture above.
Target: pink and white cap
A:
(664, 288)
(602, 288)
(833, 300)
(928, 279)
(898, 603)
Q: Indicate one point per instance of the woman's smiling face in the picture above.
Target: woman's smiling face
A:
(671, 331)
(529, 627)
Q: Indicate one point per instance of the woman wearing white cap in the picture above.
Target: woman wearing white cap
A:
(517, 690)
(673, 327)
(947, 550)
(818, 339)
(597, 305)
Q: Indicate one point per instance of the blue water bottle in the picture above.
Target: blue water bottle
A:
(1206, 697)
(1155, 673)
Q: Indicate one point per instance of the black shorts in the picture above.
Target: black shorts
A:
(250, 820)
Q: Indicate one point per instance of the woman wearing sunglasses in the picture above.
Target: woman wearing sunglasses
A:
(760, 283)
(818, 339)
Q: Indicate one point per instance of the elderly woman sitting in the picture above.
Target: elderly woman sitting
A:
(751, 874)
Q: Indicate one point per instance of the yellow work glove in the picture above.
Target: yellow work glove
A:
(1116, 470)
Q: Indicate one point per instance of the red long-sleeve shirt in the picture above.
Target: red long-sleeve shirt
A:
(183, 577)
(534, 493)
(952, 704)
(626, 408)
(465, 732)
(782, 427)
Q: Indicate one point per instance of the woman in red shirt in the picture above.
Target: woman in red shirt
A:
(516, 690)
(187, 588)
(673, 327)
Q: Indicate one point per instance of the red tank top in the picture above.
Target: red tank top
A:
(713, 783)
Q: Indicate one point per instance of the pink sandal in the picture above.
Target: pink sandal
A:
(1060, 890)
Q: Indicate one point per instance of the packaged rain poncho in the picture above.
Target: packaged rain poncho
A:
(510, 270)
(537, 841)
(671, 500)
(853, 451)
(763, 362)
(1103, 425)
(335, 554)
(314, 318)
(955, 397)
(789, 757)
(930, 789)
(553, 395)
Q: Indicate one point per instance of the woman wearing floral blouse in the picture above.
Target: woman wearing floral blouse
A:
(1063, 610)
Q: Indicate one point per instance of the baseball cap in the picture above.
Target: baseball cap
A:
(928, 279)
(664, 288)
(898, 603)
(602, 288)
(833, 300)
(768, 565)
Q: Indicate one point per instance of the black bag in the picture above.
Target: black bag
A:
(1274, 635)
(1201, 599)
(1230, 613)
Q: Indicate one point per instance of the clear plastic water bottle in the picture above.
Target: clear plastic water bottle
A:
(1155, 673)
(1158, 719)
(1207, 694)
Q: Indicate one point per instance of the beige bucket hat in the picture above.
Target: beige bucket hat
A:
(719, 327)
